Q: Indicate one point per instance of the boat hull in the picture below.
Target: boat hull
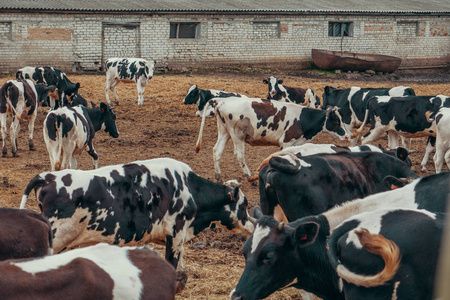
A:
(349, 61)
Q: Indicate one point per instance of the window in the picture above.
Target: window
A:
(340, 29)
(183, 30)
(266, 29)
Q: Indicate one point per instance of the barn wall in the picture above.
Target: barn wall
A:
(84, 41)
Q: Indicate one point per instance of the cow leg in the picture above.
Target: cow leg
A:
(354, 142)
(392, 139)
(447, 158)
(406, 142)
(239, 150)
(373, 134)
(107, 87)
(222, 139)
(31, 131)
(113, 89)
(441, 150)
(428, 149)
(140, 84)
(73, 163)
(3, 130)
(173, 256)
(94, 155)
(15, 128)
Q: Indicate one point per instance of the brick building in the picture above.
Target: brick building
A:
(81, 34)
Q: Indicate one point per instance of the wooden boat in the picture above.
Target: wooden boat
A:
(349, 61)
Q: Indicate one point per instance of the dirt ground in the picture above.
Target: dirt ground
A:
(164, 127)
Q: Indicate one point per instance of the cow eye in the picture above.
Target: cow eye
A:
(270, 257)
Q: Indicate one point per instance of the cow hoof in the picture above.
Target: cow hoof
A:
(15, 155)
(116, 103)
(4, 154)
(181, 281)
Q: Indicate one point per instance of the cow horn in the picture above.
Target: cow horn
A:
(281, 226)
(251, 219)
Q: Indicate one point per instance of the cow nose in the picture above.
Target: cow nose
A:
(235, 296)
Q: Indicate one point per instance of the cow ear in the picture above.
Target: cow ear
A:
(402, 153)
(77, 85)
(265, 81)
(326, 89)
(393, 182)
(305, 233)
(103, 107)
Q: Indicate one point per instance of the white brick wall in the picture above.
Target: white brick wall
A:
(71, 41)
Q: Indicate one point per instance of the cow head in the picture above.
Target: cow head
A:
(234, 216)
(328, 92)
(335, 126)
(43, 90)
(110, 120)
(192, 96)
(272, 83)
(311, 99)
(276, 256)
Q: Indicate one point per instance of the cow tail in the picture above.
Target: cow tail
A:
(200, 134)
(59, 129)
(366, 117)
(5, 101)
(376, 244)
(35, 183)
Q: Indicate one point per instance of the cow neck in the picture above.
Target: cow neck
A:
(210, 199)
(204, 96)
(317, 275)
(96, 117)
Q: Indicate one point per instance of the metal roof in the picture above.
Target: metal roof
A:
(230, 6)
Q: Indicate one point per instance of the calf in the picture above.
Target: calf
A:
(51, 76)
(311, 149)
(24, 233)
(310, 185)
(295, 254)
(201, 97)
(70, 130)
(96, 272)
(264, 122)
(123, 69)
(410, 116)
(277, 91)
(352, 104)
(158, 200)
(20, 100)
(380, 255)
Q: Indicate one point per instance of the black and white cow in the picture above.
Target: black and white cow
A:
(24, 234)
(409, 116)
(352, 104)
(68, 131)
(77, 99)
(278, 92)
(96, 272)
(295, 254)
(128, 69)
(20, 98)
(201, 97)
(312, 149)
(388, 254)
(442, 121)
(51, 76)
(310, 185)
(157, 200)
(267, 123)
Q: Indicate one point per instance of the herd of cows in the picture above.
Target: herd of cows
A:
(337, 222)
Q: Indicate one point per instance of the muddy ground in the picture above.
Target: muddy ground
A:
(164, 127)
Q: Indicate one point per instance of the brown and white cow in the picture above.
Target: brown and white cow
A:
(24, 234)
(128, 69)
(278, 92)
(68, 131)
(20, 98)
(96, 272)
(267, 123)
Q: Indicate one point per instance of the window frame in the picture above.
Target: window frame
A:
(332, 24)
(277, 22)
(177, 33)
